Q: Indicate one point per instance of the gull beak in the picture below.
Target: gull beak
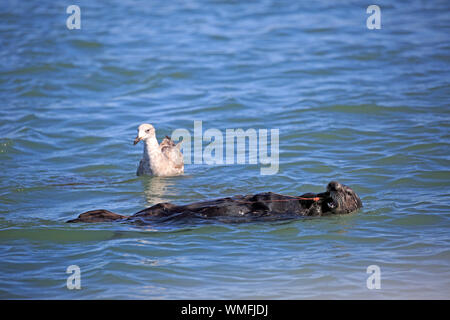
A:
(136, 140)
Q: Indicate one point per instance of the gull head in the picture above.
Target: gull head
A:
(145, 131)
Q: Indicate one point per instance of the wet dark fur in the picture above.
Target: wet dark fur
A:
(337, 199)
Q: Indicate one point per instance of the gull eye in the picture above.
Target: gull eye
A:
(148, 130)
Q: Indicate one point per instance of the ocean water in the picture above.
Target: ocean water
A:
(369, 108)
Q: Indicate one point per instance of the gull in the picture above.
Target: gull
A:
(163, 159)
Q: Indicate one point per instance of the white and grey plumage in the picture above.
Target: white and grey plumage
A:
(163, 159)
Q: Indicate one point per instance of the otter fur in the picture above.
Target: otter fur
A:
(337, 199)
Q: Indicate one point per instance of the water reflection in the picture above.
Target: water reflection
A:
(158, 189)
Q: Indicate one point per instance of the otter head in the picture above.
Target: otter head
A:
(344, 199)
(334, 186)
(145, 131)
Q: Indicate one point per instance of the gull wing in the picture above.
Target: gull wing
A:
(172, 152)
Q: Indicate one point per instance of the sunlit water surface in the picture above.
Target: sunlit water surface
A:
(369, 108)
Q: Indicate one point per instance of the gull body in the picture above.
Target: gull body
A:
(163, 159)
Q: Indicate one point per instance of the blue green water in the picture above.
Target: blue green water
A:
(369, 108)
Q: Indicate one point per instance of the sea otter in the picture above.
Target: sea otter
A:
(337, 199)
